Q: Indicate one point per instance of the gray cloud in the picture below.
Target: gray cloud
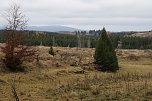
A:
(115, 14)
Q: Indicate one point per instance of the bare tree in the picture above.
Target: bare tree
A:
(79, 39)
(88, 42)
(15, 18)
(15, 51)
(53, 43)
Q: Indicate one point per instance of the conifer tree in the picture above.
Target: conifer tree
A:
(51, 51)
(105, 55)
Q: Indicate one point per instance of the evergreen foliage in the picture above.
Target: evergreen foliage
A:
(65, 40)
(105, 55)
(51, 51)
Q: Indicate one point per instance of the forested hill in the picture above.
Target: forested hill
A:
(52, 28)
(85, 39)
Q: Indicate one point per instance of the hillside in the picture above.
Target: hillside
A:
(142, 34)
(52, 28)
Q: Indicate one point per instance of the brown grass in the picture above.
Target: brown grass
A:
(44, 81)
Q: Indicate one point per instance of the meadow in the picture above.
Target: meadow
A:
(70, 75)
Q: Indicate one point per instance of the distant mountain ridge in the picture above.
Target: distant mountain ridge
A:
(52, 28)
(1, 27)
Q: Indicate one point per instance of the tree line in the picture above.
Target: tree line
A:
(81, 39)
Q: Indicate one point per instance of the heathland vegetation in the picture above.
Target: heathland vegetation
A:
(45, 66)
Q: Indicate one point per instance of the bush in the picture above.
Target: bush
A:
(15, 53)
(51, 51)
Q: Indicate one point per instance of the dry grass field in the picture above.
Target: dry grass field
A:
(70, 76)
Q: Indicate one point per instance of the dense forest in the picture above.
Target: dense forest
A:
(82, 39)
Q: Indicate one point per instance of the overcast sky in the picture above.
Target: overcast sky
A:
(115, 15)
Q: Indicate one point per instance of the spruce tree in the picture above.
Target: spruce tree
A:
(51, 51)
(105, 55)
